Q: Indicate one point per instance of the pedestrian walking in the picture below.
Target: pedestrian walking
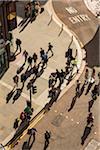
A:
(25, 54)
(95, 92)
(16, 80)
(42, 53)
(50, 46)
(30, 61)
(47, 136)
(91, 82)
(62, 76)
(16, 123)
(22, 116)
(32, 131)
(86, 76)
(74, 63)
(69, 56)
(87, 131)
(99, 75)
(93, 75)
(78, 87)
(50, 82)
(90, 119)
(35, 57)
(26, 11)
(18, 45)
(45, 59)
(29, 9)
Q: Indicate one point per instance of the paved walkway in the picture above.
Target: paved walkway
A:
(34, 36)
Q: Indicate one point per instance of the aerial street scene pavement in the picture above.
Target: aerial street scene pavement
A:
(50, 75)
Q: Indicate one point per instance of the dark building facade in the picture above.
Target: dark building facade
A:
(7, 23)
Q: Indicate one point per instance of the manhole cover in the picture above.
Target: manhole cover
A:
(58, 120)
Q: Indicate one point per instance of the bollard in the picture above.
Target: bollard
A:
(62, 28)
(51, 18)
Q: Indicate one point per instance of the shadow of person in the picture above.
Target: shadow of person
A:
(30, 143)
(89, 88)
(25, 146)
(87, 131)
(90, 104)
(19, 70)
(81, 90)
(31, 140)
(47, 138)
(9, 95)
(18, 93)
(22, 22)
(54, 94)
(25, 25)
(72, 103)
(46, 144)
(40, 73)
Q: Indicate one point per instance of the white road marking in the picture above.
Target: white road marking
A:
(10, 88)
(71, 10)
(79, 18)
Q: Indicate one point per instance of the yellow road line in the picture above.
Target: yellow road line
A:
(34, 122)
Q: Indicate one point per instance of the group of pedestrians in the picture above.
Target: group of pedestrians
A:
(90, 80)
(32, 9)
(34, 68)
(32, 61)
(24, 116)
(64, 74)
(72, 61)
(57, 78)
(27, 145)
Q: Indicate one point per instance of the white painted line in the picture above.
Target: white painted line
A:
(10, 87)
